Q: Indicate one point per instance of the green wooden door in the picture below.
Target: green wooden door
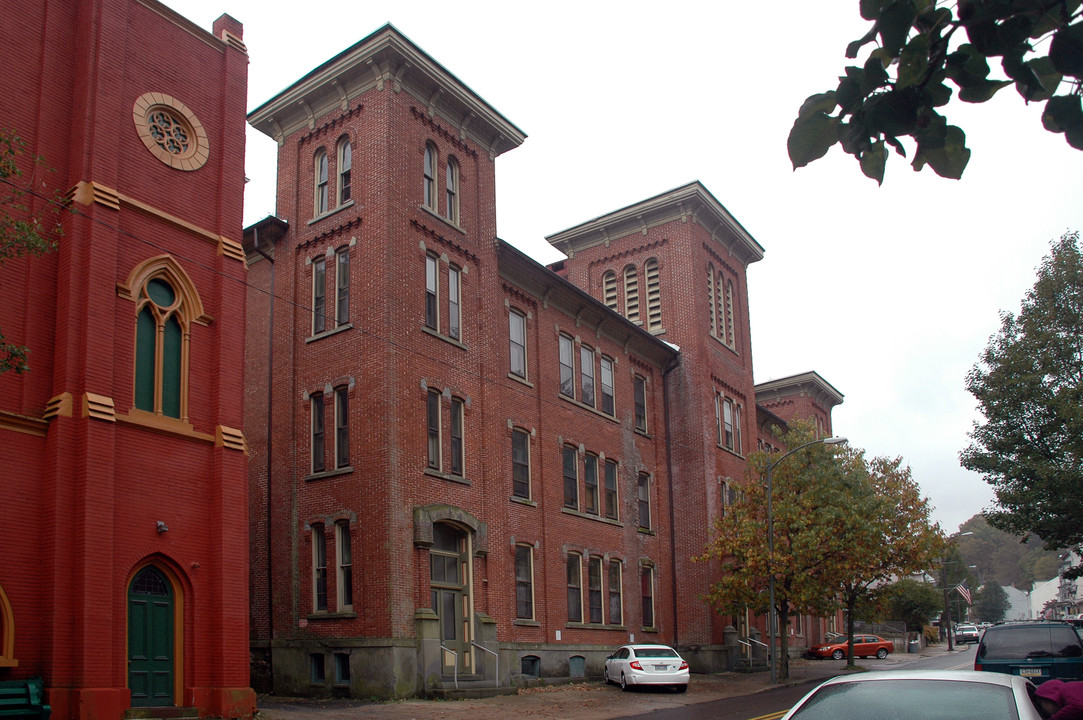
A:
(150, 639)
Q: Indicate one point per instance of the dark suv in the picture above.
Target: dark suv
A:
(1037, 650)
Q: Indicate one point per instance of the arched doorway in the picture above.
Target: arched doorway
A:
(450, 572)
(151, 644)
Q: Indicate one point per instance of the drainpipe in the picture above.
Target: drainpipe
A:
(672, 511)
(270, 406)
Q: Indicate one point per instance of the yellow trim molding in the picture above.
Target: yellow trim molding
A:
(230, 438)
(23, 424)
(99, 407)
(58, 406)
(87, 192)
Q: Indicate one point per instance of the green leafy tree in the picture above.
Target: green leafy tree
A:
(1029, 387)
(991, 603)
(912, 602)
(815, 526)
(894, 538)
(22, 232)
(918, 47)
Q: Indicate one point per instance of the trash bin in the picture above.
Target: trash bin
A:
(914, 646)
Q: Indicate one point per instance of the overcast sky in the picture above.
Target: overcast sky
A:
(889, 293)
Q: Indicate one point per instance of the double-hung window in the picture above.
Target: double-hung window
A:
(456, 437)
(451, 191)
(524, 582)
(567, 366)
(344, 578)
(454, 302)
(316, 405)
(643, 485)
(342, 286)
(594, 589)
(432, 289)
(517, 342)
(520, 463)
(639, 387)
(610, 493)
(590, 485)
(319, 295)
(342, 427)
(575, 588)
(430, 177)
(319, 569)
(432, 415)
(345, 165)
(616, 600)
(646, 585)
(606, 377)
(571, 478)
(320, 199)
(586, 373)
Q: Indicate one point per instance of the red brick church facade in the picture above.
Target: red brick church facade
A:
(123, 470)
(465, 465)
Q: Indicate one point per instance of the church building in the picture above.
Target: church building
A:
(123, 470)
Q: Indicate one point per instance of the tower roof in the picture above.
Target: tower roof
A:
(688, 202)
(386, 59)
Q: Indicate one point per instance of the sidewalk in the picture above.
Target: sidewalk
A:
(591, 700)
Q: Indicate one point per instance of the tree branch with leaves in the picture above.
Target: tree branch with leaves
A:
(22, 231)
(921, 45)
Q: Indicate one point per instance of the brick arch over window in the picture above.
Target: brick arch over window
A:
(167, 304)
(425, 517)
(7, 632)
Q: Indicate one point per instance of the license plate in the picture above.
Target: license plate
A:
(1030, 672)
(661, 667)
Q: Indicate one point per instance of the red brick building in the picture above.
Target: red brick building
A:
(122, 463)
(477, 468)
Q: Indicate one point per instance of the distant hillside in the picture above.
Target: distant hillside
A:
(1002, 557)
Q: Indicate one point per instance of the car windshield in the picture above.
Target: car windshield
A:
(656, 653)
(1020, 642)
(910, 699)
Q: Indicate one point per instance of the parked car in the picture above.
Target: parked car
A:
(932, 694)
(967, 633)
(864, 646)
(1037, 650)
(647, 665)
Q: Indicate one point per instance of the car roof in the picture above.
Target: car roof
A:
(988, 678)
(646, 646)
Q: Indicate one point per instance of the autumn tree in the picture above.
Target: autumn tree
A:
(894, 538)
(918, 47)
(814, 520)
(1029, 387)
(22, 232)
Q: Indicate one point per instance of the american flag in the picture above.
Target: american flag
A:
(964, 590)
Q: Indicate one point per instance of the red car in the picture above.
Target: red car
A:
(864, 646)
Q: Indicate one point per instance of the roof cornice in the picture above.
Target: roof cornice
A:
(386, 59)
(689, 202)
(809, 383)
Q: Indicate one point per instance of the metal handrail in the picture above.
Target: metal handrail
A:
(455, 667)
(496, 680)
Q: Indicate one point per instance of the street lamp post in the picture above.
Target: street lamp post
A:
(771, 552)
(944, 587)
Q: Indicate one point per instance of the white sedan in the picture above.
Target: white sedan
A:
(647, 665)
(929, 695)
